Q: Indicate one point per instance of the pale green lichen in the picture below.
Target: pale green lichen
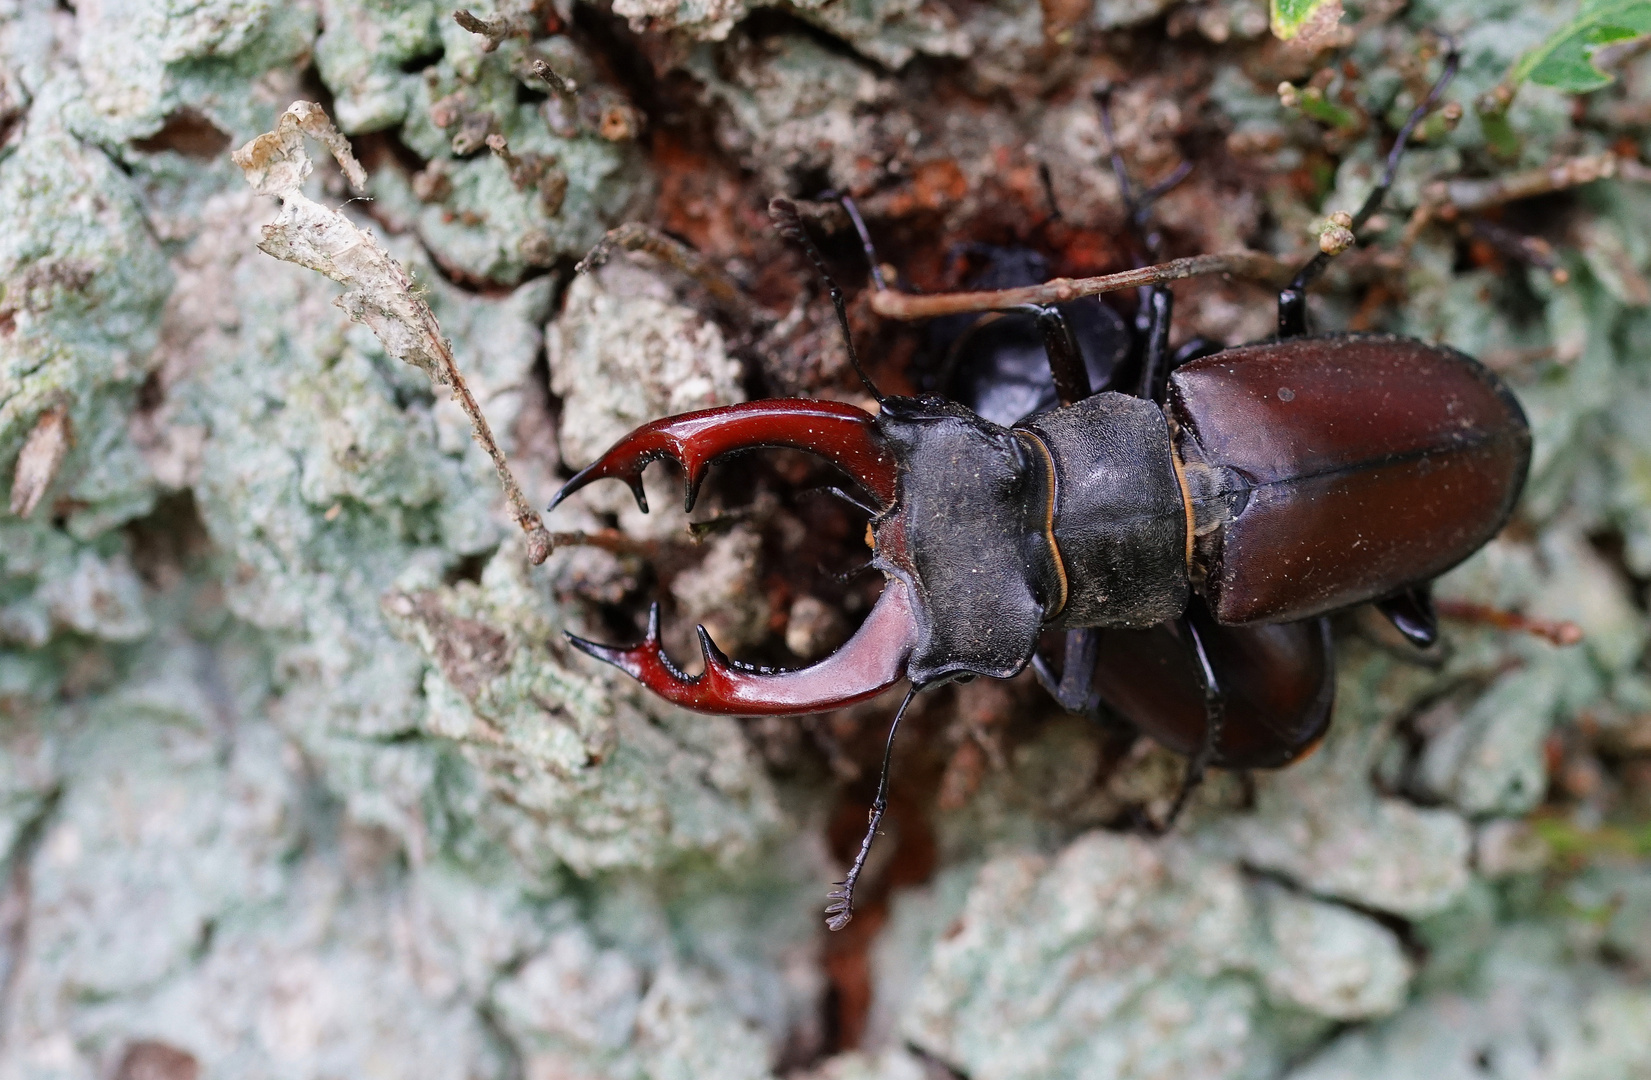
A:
(1322, 825)
(1527, 1013)
(1099, 959)
(361, 54)
(592, 774)
(1031, 952)
(626, 351)
(794, 108)
(140, 63)
(82, 282)
(480, 220)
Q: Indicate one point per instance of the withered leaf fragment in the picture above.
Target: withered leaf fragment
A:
(377, 291)
(42, 454)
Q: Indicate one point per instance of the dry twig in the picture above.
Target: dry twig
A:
(635, 236)
(494, 30)
(617, 542)
(1532, 250)
(1632, 170)
(378, 291)
(1467, 196)
(558, 82)
(1558, 631)
(1251, 265)
(1446, 200)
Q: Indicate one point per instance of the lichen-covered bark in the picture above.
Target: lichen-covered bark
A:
(298, 777)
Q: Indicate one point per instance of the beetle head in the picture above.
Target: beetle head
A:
(964, 538)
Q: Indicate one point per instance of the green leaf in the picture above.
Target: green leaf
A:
(1291, 16)
(1566, 59)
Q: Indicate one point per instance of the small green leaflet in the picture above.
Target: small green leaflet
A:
(1566, 59)
(1290, 16)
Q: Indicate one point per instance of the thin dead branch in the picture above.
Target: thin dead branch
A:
(615, 542)
(558, 82)
(1467, 196)
(1632, 170)
(1446, 200)
(1532, 250)
(1249, 265)
(378, 291)
(493, 30)
(1558, 631)
(635, 236)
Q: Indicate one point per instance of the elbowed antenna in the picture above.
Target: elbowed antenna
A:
(784, 214)
(840, 911)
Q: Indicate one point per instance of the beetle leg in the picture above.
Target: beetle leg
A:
(1073, 691)
(783, 212)
(1060, 349)
(1065, 359)
(1047, 678)
(1159, 304)
(1194, 349)
(1411, 613)
(840, 433)
(1048, 181)
(871, 661)
(1159, 364)
(1292, 299)
(1292, 308)
(1134, 211)
(1215, 715)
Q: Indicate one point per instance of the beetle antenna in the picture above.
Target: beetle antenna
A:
(841, 909)
(850, 498)
(1316, 265)
(866, 245)
(790, 223)
(847, 575)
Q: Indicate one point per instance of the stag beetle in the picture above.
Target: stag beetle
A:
(1188, 537)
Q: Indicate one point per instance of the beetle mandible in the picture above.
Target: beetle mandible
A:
(1204, 523)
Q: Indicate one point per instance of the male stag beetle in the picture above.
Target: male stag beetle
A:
(1188, 536)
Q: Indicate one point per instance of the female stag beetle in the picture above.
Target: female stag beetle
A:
(1188, 537)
